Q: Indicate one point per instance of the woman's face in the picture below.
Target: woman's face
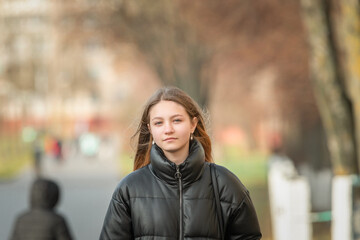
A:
(171, 126)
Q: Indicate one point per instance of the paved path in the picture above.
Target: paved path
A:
(86, 188)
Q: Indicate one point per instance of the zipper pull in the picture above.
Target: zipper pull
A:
(178, 173)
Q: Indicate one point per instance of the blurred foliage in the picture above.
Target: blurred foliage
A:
(126, 164)
(249, 166)
(15, 155)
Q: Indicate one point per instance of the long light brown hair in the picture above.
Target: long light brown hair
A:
(142, 156)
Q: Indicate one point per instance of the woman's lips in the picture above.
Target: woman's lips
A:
(169, 139)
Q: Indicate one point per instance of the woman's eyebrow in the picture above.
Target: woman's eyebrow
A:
(155, 118)
(173, 116)
(176, 115)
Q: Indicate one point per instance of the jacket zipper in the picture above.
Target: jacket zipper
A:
(178, 177)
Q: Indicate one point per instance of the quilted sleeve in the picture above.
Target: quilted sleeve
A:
(244, 224)
(117, 223)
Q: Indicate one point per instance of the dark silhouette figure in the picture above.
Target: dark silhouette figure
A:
(41, 221)
(37, 157)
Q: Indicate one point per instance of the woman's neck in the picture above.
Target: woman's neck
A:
(177, 157)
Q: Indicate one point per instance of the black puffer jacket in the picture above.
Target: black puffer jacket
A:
(151, 203)
(41, 222)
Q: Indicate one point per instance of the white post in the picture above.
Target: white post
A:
(300, 207)
(290, 203)
(342, 208)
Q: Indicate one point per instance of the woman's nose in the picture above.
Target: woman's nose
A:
(168, 128)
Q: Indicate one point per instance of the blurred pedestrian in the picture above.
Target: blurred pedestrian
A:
(38, 152)
(41, 221)
(57, 149)
(176, 192)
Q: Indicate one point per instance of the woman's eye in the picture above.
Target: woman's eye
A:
(177, 120)
(157, 123)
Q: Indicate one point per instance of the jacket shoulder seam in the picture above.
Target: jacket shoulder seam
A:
(118, 201)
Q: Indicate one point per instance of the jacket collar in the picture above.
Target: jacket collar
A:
(191, 169)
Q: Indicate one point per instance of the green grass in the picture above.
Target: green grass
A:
(126, 163)
(251, 173)
(11, 167)
(14, 156)
(250, 167)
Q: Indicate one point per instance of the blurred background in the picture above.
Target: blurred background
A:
(277, 80)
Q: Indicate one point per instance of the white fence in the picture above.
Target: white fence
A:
(290, 205)
(342, 208)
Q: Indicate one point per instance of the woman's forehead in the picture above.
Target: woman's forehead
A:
(166, 108)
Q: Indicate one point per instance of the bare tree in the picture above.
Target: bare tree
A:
(336, 77)
(170, 45)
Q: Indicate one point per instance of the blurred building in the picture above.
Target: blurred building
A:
(50, 72)
(26, 47)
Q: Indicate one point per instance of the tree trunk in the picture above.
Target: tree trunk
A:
(348, 38)
(333, 104)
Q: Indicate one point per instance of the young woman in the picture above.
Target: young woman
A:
(171, 194)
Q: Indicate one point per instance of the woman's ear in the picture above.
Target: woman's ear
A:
(194, 122)
(148, 126)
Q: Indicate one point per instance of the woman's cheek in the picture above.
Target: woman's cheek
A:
(156, 134)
